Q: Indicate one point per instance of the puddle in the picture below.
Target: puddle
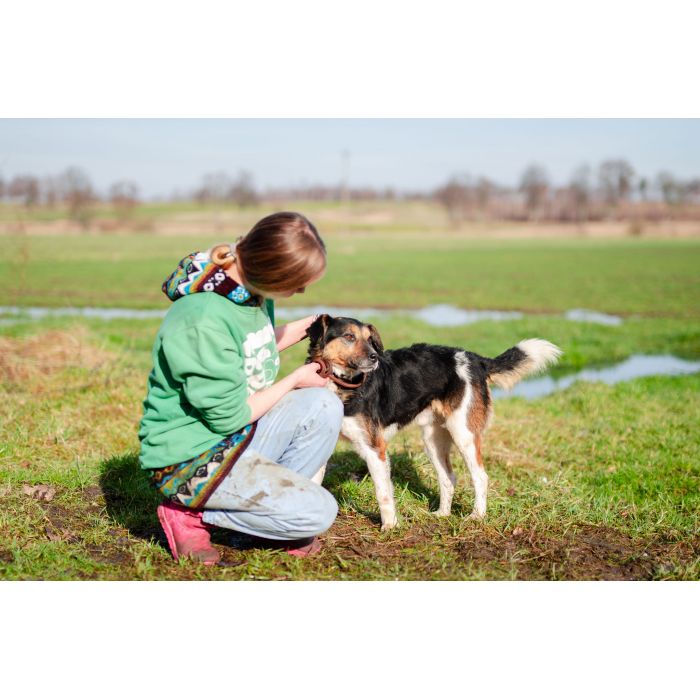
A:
(438, 315)
(633, 367)
(446, 315)
(36, 313)
(587, 316)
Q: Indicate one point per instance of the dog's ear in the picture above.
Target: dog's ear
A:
(375, 339)
(317, 329)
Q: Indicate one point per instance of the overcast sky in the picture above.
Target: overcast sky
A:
(163, 155)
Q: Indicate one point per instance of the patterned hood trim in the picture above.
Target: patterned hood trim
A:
(196, 273)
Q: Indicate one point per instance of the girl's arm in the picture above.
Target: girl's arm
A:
(293, 332)
(262, 401)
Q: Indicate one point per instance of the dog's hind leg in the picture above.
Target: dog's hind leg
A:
(437, 442)
(469, 446)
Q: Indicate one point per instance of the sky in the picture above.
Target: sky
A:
(165, 155)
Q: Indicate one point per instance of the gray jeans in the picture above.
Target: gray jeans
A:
(269, 492)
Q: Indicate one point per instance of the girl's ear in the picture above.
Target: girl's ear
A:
(317, 329)
(375, 339)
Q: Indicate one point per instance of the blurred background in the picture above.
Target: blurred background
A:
(624, 177)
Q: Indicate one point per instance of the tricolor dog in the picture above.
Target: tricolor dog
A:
(444, 390)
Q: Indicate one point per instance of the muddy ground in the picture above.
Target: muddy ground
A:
(354, 549)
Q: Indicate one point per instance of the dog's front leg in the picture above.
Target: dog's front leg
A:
(373, 451)
(380, 472)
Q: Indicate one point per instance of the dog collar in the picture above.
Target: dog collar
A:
(327, 373)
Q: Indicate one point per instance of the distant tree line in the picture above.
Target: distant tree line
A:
(73, 190)
(613, 191)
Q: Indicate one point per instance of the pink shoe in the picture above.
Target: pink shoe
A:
(188, 535)
(312, 547)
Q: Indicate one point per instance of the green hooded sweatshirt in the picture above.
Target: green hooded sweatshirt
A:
(210, 354)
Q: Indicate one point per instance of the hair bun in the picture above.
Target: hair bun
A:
(222, 255)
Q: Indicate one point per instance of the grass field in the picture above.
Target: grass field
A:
(593, 482)
(654, 278)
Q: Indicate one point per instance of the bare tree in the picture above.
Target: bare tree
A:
(24, 188)
(456, 197)
(214, 188)
(693, 189)
(79, 196)
(670, 188)
(50, 193)
(581, 192)
(484, 192)
(124, 196)
(242, 191)
(643, 187)
(615, 178)
(534, 184)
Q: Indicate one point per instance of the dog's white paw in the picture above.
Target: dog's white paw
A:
(475, 515)
(442, 513)
(389, 524)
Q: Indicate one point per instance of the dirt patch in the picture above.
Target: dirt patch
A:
(6, 557)
(586, 552)
(110, 554)
(30, 358)
(66, 525)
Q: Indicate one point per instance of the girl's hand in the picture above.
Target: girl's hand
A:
(307, 376)
(292, 333)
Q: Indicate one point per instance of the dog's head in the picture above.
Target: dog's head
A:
(348, 345)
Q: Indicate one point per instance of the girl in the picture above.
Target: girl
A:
(213, 402)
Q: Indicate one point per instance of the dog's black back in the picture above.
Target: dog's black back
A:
(408, 380)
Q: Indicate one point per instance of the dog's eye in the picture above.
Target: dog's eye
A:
(349, 336)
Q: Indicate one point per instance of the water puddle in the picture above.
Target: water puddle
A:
(633, 367)
(438, 315)
(586, 316)
(36, 313)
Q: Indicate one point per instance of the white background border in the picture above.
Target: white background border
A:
(322, 59)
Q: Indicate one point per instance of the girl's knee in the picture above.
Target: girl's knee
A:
(321, 511)
(333, 407)
(319, 403)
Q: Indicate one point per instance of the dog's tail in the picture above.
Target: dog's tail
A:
(527, 357)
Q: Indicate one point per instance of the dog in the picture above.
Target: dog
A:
(444, 390)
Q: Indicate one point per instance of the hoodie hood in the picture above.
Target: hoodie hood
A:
(197, 273)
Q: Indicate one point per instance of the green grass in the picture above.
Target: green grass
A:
(590, 479)
(593, 482)
(626, 277)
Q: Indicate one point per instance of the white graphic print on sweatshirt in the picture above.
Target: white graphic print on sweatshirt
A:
(261, 359)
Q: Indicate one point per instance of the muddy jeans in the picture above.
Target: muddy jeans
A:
(268, 492)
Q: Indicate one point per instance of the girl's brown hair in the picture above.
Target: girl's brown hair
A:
(281, 253)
